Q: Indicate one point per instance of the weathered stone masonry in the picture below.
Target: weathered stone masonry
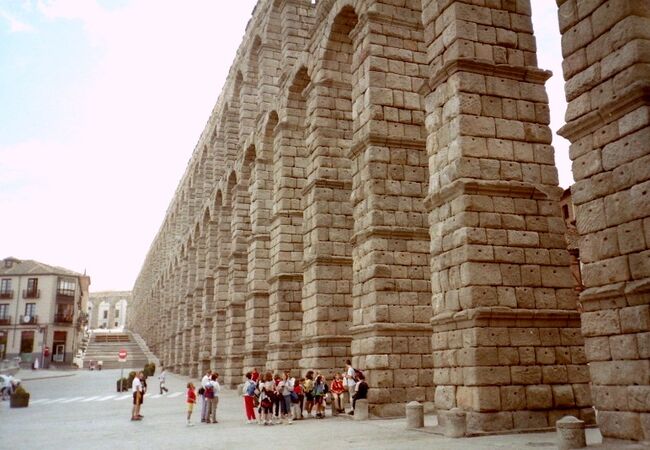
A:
(377, 182)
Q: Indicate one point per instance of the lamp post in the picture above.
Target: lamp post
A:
(43, 330)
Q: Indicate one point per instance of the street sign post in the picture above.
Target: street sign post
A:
(121, 357)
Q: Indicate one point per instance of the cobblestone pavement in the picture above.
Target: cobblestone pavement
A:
(85, 411)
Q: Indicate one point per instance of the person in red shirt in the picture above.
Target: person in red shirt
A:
(337, 390)
(191, 400)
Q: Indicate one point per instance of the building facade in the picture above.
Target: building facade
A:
(42, 311)
(107, 310)
(377, 182)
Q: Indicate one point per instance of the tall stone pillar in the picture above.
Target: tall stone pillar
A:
(606, 49)
(391, 288)
(257, 287)
(285, 280)
(237, 272)
(507, 346)
(327, 257)
(205, 348)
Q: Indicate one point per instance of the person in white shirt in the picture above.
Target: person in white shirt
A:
(212, 390)
(161, 380)
(204, 405)
(350, 381)
(137, 397)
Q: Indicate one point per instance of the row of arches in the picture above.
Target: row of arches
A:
(377, 182)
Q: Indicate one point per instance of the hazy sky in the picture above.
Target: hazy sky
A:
(101, 105)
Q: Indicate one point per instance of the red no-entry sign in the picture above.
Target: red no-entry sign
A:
(122, 355)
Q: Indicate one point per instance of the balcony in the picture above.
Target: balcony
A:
(28, 320)
(31, 293)
(7, 295)
(5, 320)
(65, 295)
(63, 318)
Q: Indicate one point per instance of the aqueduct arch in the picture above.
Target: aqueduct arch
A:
(377, 182)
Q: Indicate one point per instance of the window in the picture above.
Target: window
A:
(5, 285)
(32, 288)
(117, 313)
(66, 286)
(105, 314)
(4, 309)
(30, 309)
(26, 342)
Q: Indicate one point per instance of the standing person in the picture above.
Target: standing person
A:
(319, 396)
(191, 400)
(208, 395)
(213, 389)
(266, 398)
(308, 387)
(360, 390)
(255, 375)
(300, 393)
(204, 404)
(350, 381)
(337, 390)
(278, 402)
(137, 397)
(161, 380)
(287, 389)
(250, 387)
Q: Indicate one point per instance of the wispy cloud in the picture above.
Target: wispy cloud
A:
(15, 25)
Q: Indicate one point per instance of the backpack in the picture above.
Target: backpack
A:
(250, 389)
(209, 392)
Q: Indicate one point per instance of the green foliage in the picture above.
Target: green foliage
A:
(20, 391)
(149, 369)
(124, 384)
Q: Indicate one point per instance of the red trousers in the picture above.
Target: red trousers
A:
(250, 409)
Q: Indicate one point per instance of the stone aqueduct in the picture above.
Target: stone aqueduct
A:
(376, 181)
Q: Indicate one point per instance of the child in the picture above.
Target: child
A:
(191, 400)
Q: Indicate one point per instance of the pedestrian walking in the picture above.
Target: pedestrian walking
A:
(162, 381)
(191, 400)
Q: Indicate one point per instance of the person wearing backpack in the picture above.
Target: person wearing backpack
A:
(204, 403)
(308, 386)
(319, 391)
(266, 403)
(249, 397)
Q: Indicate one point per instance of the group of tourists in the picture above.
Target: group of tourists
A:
(283, 398)
(277, 398)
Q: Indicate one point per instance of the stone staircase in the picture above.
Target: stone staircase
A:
(105, 347)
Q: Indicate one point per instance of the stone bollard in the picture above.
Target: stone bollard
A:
(361, 409)
(414, 415)
(454, 422)
(570, 433)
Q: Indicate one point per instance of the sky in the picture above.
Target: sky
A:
(101, 105)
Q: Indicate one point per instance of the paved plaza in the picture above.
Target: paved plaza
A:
(80, 409)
